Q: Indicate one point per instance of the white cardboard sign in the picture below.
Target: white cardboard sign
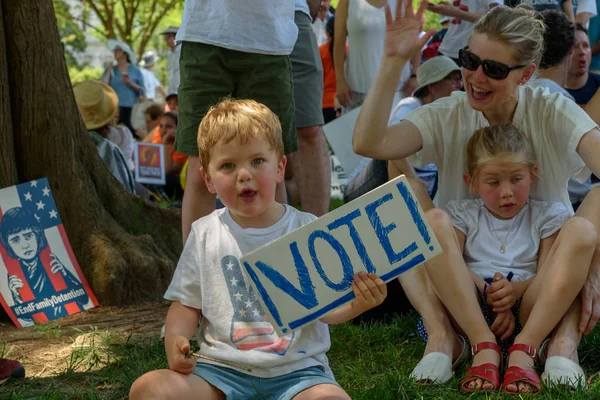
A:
(306, 274)
(339, 135)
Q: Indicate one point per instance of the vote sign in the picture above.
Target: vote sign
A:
(306, 274)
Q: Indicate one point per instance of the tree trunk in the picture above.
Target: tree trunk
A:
(126, 246)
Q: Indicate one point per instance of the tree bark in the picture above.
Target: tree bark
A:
(126, 246)
(8, 167)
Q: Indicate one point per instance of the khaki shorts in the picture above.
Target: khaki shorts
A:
(307, 71)
(210, 73)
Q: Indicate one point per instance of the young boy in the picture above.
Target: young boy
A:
(241, 152)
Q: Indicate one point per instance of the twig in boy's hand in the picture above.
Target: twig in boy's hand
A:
(192, 354)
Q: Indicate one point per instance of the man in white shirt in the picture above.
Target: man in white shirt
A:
(320, 22)
(151, 83)
(172, 58)
(239, 49)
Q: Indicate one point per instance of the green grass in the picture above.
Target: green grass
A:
(370, 362)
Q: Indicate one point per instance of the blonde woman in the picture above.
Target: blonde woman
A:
(502, 54)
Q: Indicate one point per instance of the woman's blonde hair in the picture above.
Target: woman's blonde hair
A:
(500, 142)
(520, 28)
(243, 119)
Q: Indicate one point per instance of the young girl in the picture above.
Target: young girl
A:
(505, 236)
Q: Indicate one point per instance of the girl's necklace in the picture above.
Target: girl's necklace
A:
(493, 229)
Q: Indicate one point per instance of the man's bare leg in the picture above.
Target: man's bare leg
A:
(311, 170)
(197, 200)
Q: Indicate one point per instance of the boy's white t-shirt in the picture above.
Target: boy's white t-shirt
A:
(251, 26)
(209, 277)
(521, 236)
(553, 124)
(459, 30)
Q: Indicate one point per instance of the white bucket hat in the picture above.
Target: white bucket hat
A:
(434, 70)
(149, 58)
(113, 44)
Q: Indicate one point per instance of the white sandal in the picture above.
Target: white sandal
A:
(565, 372)
(561, 371)
(437, 368)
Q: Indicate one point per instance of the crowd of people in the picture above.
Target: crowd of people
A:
(493, 120)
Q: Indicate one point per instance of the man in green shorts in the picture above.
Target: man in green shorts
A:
(239, 49)
(310, 164)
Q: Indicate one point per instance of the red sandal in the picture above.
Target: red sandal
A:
(488, 372)
(514, 375)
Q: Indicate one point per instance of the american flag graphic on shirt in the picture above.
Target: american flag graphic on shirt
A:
(250, 327)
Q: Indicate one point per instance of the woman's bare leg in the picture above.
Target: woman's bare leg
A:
(554, 289)
(454, 285)
(566, 337)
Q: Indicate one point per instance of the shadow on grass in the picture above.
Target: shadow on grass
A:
(369, 362)
(94, 372)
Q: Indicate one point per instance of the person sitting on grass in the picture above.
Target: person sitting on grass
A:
(506, 239)
(174, 161)
(241, 356)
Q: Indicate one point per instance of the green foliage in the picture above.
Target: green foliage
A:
(70, 33)
(136, 23)
(78, 74)
(432, 20)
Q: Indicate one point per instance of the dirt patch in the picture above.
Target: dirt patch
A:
(45, 350)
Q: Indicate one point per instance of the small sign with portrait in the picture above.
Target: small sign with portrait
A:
(40, 279)
(149, 163)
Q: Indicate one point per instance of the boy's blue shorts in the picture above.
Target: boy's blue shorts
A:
(238, 385)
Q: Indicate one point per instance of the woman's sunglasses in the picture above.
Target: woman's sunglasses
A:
(493, 69)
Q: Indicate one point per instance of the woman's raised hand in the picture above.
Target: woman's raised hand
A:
(402, 32)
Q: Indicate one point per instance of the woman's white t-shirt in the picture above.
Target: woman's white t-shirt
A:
(251, 26)
(553, 124)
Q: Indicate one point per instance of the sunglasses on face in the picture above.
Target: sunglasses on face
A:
(493, 69)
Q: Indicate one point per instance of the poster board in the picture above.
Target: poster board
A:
(306, 274)
(149, 161)
(40, 279)
(339, 135)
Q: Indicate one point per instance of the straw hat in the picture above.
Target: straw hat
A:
(434, 70)
(112, 44)
(98, 103)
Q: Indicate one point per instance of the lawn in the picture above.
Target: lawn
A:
(370, 362)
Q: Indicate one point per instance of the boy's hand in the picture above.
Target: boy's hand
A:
(176, 349)
(369, 290)
(504, 324)
(501, 295)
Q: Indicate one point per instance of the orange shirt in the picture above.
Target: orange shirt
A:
(329, 81)
(176, 157)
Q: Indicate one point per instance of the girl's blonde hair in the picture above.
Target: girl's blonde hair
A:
(520, 28)
(500, 142)
(243, 119)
